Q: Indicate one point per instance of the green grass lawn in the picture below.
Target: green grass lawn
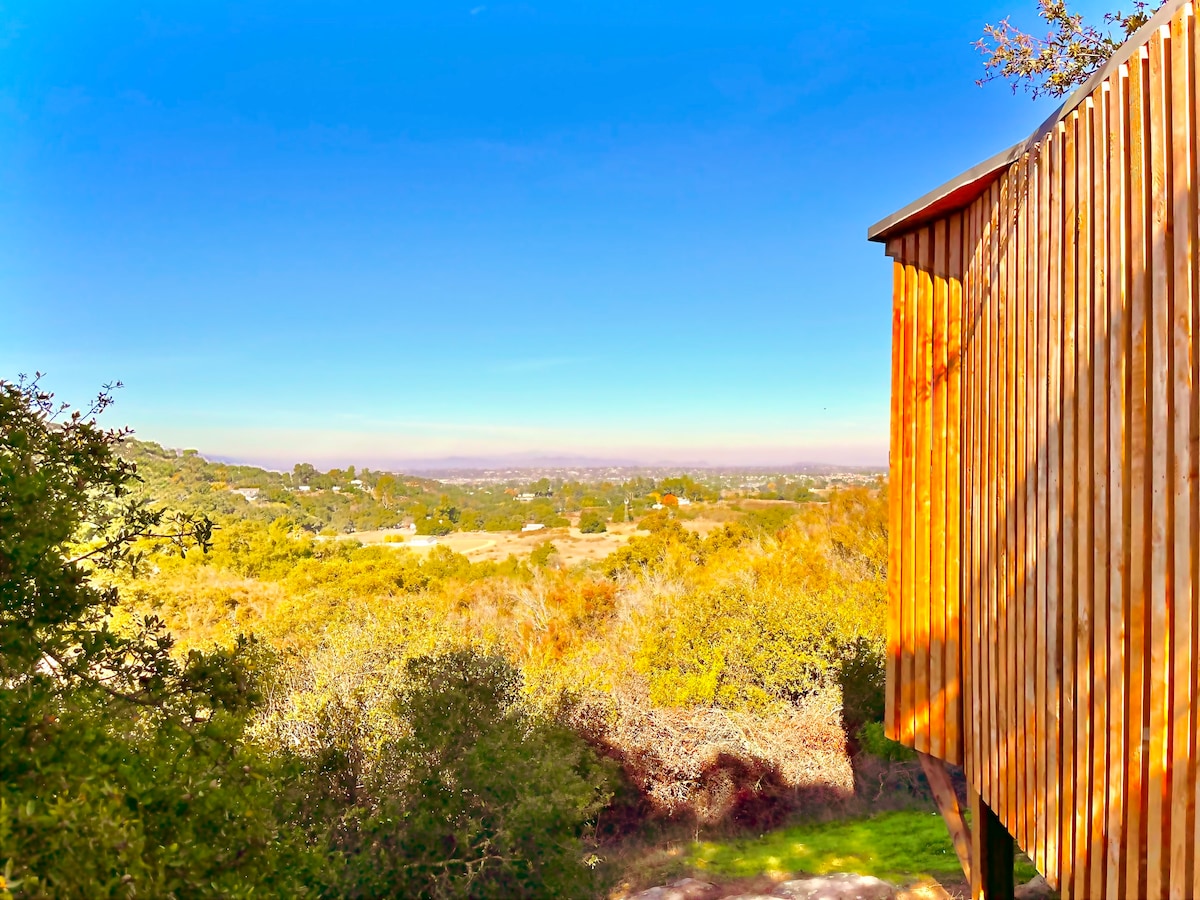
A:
(901, 847)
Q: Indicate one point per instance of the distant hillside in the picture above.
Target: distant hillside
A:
(354, 500)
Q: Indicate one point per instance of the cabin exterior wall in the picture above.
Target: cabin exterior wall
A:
(1044, 621)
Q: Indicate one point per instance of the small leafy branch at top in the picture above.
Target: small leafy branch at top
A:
(1066, 57)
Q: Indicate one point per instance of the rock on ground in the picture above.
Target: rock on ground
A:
(684, 889)
(1038, 889)
(836, 887)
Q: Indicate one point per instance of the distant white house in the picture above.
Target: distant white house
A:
(526, 498)
(250, 494)
(304, 488)
(533, 526)
(684, 501)
(357, 482)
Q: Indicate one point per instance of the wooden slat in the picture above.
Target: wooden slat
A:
(1084, 582)
(979, 680)
(909, 559)
(1194, 460)
(991, 245)
(937, 494)
(1158, 804)
(1183, 476)
(1070, 529)
(1026, 277)
(1117, 565)
(953, 465)
(1100, 500)
(923, 469)
(969, 562)
(1040, 748)
(1139, 495)
(1004, 431)
(895, 505)
(1054, 507)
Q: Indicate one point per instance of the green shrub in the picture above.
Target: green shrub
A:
(592, 522)
(543, 555)
(481, 798)
(871, 739)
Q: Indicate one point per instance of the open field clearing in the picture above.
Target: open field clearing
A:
(573, 545)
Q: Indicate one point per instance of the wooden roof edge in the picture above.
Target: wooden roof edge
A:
(961, 190)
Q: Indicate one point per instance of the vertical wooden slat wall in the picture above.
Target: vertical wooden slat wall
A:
(1044, 627)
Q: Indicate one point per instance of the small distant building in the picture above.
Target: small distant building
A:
(533, 526)
(304, 488)
(250, 494)
(526, 498)
(357, 482)
(684, 501)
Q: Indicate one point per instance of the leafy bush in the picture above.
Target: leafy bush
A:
(543, 555)
(592, 522)
(871, 739)
(479, 798)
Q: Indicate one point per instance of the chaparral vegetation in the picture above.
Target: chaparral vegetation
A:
(205, 695)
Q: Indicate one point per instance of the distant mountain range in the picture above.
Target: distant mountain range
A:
(468, 464)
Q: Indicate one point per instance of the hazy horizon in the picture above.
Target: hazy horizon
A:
(331, 450)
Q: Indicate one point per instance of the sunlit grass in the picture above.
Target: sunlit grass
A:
(897, 846)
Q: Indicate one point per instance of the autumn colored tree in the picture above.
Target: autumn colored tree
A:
(1066, 57)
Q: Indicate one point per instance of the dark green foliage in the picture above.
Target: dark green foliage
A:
(769, 519)
(544, 554)
(592, 522)
(121, 767)
(861, 678)
(871, 739)
(481, 798)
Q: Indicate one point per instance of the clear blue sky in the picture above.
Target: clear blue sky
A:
(377, 232)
